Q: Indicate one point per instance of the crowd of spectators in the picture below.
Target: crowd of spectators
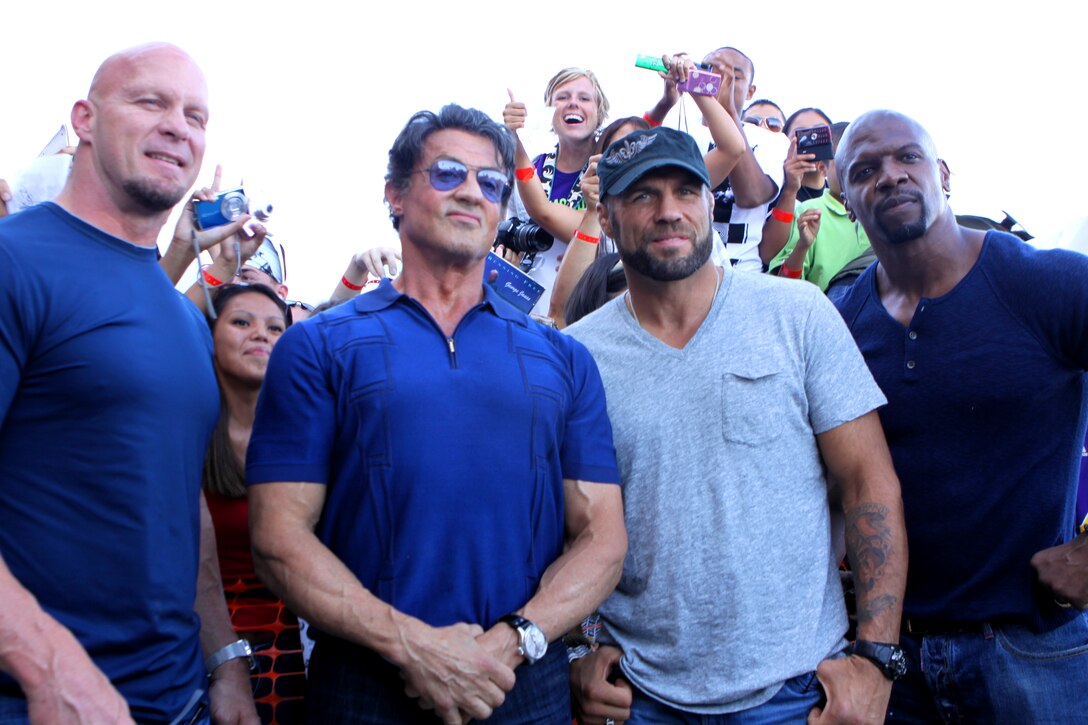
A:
(777, 208)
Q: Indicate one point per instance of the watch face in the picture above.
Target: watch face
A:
(897, 663)
(536, 644)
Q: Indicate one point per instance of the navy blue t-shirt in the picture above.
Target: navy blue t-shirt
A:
(444, 457)
(985, 419)
(107, 401)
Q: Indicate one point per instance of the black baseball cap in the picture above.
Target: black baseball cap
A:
(629, 159)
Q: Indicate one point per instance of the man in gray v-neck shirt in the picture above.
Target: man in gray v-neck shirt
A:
(728, 394)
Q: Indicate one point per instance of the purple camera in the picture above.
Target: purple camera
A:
(701, 82)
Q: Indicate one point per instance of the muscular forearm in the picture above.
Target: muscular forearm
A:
(316, 585)
(231, 694)
(589, 569)
(30, 639)
(751, 185)
(876, 548)
(857, 457)
(211, 604)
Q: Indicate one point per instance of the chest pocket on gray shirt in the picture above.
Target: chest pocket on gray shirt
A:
(752, 404)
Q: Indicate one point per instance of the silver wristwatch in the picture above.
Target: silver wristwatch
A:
(532, 644)
(233, 651)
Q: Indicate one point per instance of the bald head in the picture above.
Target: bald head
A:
(124, 63)
(875, 126)
(891, 178)
(141, 134)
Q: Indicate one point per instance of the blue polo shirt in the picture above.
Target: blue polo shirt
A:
(444, 457)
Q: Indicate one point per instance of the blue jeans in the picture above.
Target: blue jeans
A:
(998, 674)
(791, 704)
(13, 709)
(350, 685)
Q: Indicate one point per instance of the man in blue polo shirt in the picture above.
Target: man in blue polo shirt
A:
(980, 343)
(453, 504)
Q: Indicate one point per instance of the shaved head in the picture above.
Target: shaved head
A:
(891, 178)
(873, 123)
(125, 62)
(141, 129)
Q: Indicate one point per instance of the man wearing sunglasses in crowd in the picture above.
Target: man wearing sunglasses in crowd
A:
(454, 506)
(765, 114)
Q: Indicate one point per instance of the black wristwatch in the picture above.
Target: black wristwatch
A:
(532, 643)
(890, 658)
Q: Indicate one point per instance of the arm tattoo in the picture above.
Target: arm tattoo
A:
(868, 543)
(870, 610)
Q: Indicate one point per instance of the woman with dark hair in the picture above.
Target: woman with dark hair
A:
(248, 321)
(602, 280)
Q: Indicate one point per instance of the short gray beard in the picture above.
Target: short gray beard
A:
(668, 270)
(150, 197)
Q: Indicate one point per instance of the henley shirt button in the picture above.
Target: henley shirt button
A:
(910, 364)
(913, 335)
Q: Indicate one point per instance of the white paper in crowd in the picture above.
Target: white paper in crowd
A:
(41, 180)
(58, 143)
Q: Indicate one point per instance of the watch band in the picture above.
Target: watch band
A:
(890, 658)
(515, 620)
(233, 651)
(532, 645)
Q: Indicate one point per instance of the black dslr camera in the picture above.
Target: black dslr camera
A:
(523, 237)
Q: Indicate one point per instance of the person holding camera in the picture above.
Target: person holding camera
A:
(824, 238)
(742, 200)
(804, 180)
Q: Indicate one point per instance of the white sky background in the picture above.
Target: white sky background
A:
(307, 97)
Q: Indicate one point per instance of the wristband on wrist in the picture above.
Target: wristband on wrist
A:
(209, 279)
(783, 216)
(579, 234)
(647, 119)
(525, 174)
(233, 651)
(791, 273)
(349, 284)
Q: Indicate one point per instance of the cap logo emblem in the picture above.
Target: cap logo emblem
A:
(630, 149)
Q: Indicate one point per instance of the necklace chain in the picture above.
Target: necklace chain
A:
(719, 273)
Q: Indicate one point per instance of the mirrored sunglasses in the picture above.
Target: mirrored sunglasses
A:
(446, 174)
(773, 122)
